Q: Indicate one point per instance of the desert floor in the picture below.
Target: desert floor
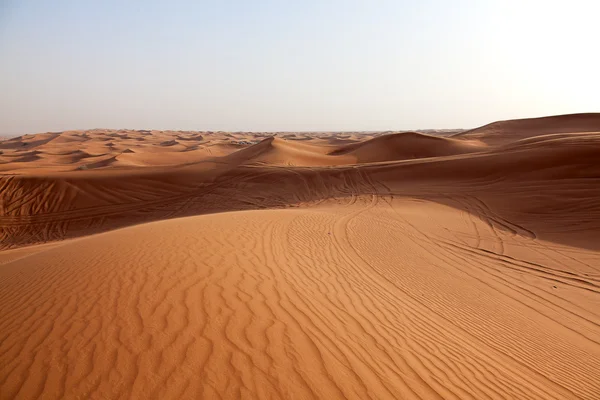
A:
(388, 265)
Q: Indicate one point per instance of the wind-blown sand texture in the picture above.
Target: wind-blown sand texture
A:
(146, 264)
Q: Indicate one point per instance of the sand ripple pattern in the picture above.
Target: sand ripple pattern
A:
(361, 297)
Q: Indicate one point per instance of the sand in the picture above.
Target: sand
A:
(246, 265)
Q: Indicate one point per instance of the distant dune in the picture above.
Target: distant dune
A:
(299, 265)
(276, 151)
(406, 146)
(503, 132)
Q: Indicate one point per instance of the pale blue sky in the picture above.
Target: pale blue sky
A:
(293, 65)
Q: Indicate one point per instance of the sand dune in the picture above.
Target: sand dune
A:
(406, 145)
(26, 156)
(503, 132)
(28, 142)
(243, 265)
(276, 151)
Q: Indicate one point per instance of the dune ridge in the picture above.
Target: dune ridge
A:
(247, 265)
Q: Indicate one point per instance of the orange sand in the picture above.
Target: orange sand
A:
(140, 264)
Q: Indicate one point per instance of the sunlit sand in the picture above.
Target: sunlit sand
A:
(159, 264)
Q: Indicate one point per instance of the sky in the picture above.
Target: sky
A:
(290, 65)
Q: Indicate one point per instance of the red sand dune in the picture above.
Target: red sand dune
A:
(237, 265)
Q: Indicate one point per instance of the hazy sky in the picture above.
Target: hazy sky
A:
(293, 65)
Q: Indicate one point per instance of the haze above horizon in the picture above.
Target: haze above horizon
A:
(293, 66)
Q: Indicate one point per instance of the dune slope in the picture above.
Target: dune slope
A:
(365, 299)
(405, 146)
(503, 132)
(277, 151)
